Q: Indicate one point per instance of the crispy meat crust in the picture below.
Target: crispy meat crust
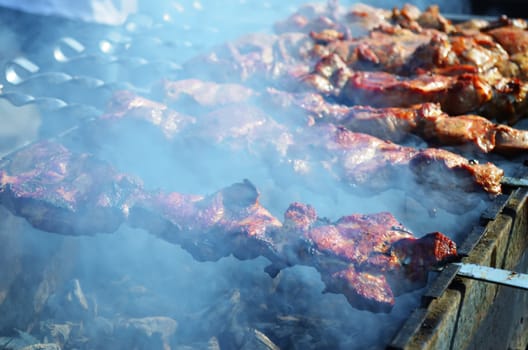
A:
(364, 257)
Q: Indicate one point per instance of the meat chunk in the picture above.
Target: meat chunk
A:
(443, 170)
(369, 258)
(235, 126)
(369, 162)
(59, 191)
(199, 94)
(366, 290)
(125, 105)
(512, 38)
(434, 125)
(396, 124)
(457, 95)
(230, 221)
(381, 50)
(458, 52)
(365, 163)
(255, 59)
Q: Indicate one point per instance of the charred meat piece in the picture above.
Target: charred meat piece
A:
(396, 123)
(369, 162)
(431, 123)
(63, 192)
(365, 257)
(368, 258)
(425, 252)
(255, 59)
(457, 95)
(505, 100)
(365, 163)
(381, 50)
(230, 221)
(125, 105)
(202, 94)
(234, 126)
(512, 38)
(448, 54)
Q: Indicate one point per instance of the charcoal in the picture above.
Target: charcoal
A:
(145, 333)
(70, 303)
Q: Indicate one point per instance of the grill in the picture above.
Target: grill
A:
(63, 80)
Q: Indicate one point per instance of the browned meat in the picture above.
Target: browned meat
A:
(367, 290)
(59, 191)
(370, 164)
(509, 103)
(457, 95)
(430, 250)
(504, 100)
(200, 93)
(237, 126)
(381, 50)
(255, 59)
(125, 105)
(442, 170)
(396, 123)
(364, 163)
(432, 18)
(453, 52)
(230, 221)
(356, 21)
(512, 38)
(413, 49)
(431, 123)
(369, 258)
(365, 257)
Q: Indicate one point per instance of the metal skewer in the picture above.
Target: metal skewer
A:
(493, 275)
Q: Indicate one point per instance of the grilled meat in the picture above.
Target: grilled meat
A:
(513, 38)
(230, 221)
(63, 192)
(255, 59)
(431, 123)
(396, 123)
(200, 94)
(381, 50)
(504, 100)
(357, 21)
(445, 54)
(235, 126)
(457, 95)
(416, 42)
(361, 256)
(366, 257)
(367, 162)
(125, 105)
